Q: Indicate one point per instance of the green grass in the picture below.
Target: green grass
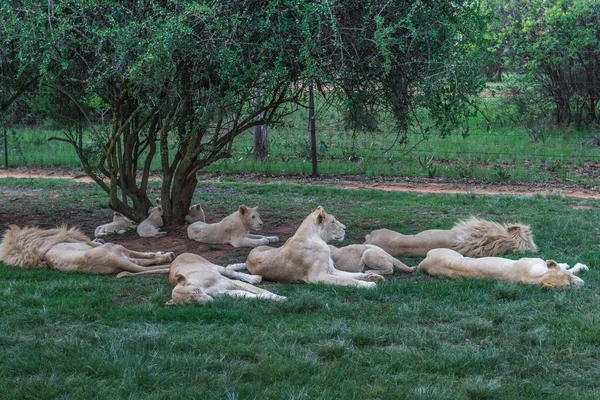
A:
(80, 336)
(500, 146)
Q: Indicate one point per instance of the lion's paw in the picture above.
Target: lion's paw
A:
(368, 285)
(123, 274)
(273, 239)
(374, 278)
(254, 279)
(581, 267)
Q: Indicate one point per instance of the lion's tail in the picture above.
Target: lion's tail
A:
(480, 238)
(399, 266)
(26, 247)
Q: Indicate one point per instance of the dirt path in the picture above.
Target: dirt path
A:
(413, 185)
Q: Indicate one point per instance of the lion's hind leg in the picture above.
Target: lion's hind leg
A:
(143, 258)
(373, 262)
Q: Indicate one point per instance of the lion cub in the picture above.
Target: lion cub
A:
(119, 225)
(149, 226)
(195, 214)
(233, 229)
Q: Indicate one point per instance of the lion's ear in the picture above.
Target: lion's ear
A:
(158, 202)
(197, 206)
(170, 303)
(117, 214)
(159, 208)
(551, 264)
(513, 228)
(181, 280)
(320, 216)
(243, 210)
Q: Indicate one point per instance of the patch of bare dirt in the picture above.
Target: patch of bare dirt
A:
(414, 185)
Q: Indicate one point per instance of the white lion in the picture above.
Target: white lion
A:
(70, 250)
(473, 237)
(306, 256)
(233, 229)
(366, 258)
(119, 226)
(533, 271)
(150, 226)
(195, 214)
(197, 280)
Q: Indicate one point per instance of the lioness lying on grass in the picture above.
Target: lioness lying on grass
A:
(233, 229)
(197, 280)
(533, 271)
(306, 256)
(366, 258)
(473, 237)
(119, 226)
(70, 250)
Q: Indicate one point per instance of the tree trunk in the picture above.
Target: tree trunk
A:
(260, 142)
(312, 129)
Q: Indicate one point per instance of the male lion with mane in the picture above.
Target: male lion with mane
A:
(532, 271)
(474, 238)
(70, 250)
(306, 256)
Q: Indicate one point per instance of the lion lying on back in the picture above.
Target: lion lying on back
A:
(70, 250)
(533, 271)
(473, 237)
(233, 229)
(306, 256)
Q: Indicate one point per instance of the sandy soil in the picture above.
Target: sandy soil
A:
(416, 185)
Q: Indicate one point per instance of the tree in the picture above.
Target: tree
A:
(183, 79)
(554, 44)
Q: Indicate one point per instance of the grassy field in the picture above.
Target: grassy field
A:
(77, 336)
(500, 146)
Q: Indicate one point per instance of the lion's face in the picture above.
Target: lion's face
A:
(187, 291)
(557, 278)
(251, 218)
(331, 228)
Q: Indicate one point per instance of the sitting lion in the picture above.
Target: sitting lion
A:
(366, 258)
(473, 237)
(119, 226)
(533, 271)
(70, 250)
(306, 256)
(233, 229)
(195, 214)
(150, 226)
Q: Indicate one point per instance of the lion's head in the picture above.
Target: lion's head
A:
(123, 221)
(250, 217)
(330, 227)
(188, 291)
(557, 278)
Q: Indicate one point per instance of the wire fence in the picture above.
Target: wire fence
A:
(500, 150)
